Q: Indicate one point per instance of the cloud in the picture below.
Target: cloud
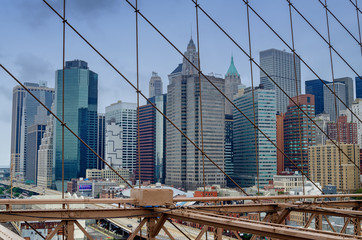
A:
(33, 68)
(92, 7)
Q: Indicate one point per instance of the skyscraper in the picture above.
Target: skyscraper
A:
(155, 85)
(45, 156)
(279, 65)
(329, 99)
(80, 115)
(232, 81)
(358, 82)
(245, 153)
(315, 87)
(299, 132)
(26, 111)
(124, 115)
(184, 162)
(348, 82)
(101, 139)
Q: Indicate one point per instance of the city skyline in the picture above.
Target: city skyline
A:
(26, 64)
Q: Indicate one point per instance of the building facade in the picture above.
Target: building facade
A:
(343, 131)
(328, 167)
(184, 166)
(358, 83)
(26, 111)
(322, 120)
(155, 85)
(315, 87)
(80, 114)
(279, 65)
(348, 82)
(280, 142)
(101, 139)
(330, 101)
(232, 81)
(249, 160)
(299, 133)
(124, 116)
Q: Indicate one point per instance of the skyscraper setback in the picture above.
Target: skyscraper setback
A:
(184, 162)
(80, 106)
(279, 65)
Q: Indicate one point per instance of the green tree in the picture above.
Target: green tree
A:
(359, 191)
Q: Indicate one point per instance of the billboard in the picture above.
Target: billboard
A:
(85, 187)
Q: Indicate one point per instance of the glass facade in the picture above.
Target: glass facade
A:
(245, 151)
(358, 81)
(80, 106)
(315, 87)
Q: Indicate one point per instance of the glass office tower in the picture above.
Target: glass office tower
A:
(80, 107)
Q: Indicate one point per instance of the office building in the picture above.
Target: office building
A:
(246, 155)
(232, 81)
(26, 111)
(358, 82)
(321, 132)
(46, 157)
(229, 148)
(330, 100)
(123, 135)
(315, 87)
(299, 133)
(184, 166)
(343, 131)
(80, 114)
(328, 167)
(155, 85)
(279, 65)
(101, 139)
(356, 109)
(152, 141)
(348, 82)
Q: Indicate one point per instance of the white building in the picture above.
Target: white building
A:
(155, 85)
(124, 115)
(288, 182)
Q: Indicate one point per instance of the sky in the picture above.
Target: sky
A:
(31, 42)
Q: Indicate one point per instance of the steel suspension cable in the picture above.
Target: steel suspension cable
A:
(359, 26)
(344, 27)
(200, 97)
(230, 101)
(297, 95)
(301, 59)
(356, 6)
(206, 14)
(336, 109)
(253, 98)
(63, 123)
(264, 73)
(140, 92)
(63, 91)
(133, 86)
(138, 102)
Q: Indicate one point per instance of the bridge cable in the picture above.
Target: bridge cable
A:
(253, 99)
(200, 97)
(297, 96)
(359, 26)
(138, 103)
(63, 91)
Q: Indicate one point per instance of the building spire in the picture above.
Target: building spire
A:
(232, 69)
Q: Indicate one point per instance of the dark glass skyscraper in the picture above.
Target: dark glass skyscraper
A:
(315, 87)
(80, 107)
(101, 140)
(358, 87)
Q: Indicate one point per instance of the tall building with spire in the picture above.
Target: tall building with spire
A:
(232, 81)
(155, 85)
(184, 166)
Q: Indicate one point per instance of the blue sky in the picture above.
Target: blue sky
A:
(31, 42)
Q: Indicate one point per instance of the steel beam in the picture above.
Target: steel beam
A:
(263, 229)
(71, 214)
(83, 230)
(138, 229)
(57, 228)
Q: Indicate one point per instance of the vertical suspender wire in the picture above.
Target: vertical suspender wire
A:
(138, 102)
(253, 98)
(297, 94)
(335, 100)
(63, 127)
(200, 97)
(359, 26)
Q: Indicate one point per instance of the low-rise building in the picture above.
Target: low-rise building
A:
(108, 174)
